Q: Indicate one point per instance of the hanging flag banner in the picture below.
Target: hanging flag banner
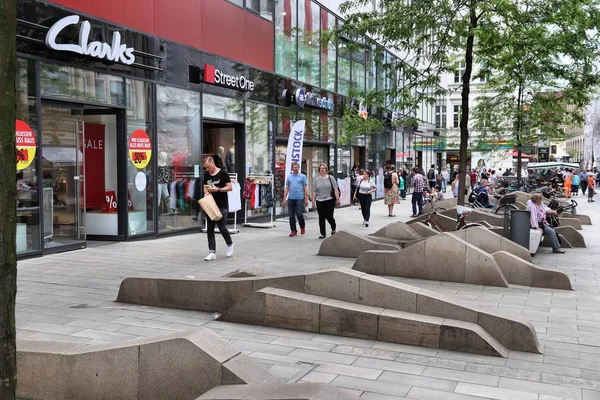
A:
(140, 149)
(26, 145)
(294, 147)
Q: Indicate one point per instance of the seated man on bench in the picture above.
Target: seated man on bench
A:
(483, 198)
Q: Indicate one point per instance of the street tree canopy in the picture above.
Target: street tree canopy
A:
(540, 45)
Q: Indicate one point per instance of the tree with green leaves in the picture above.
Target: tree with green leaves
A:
(431, 36)
(8, 217)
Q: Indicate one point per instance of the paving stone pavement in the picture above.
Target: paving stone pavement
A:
(70, 297)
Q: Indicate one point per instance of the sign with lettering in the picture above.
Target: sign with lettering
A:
(140, 149)
(302, 99)
(294, 147)
(116, 51)
(215, 76)
(26, 145)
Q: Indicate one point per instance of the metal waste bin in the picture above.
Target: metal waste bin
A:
(519, 227)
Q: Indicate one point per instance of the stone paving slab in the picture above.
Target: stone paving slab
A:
(566, 322)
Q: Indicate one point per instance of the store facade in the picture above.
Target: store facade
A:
(113, 124)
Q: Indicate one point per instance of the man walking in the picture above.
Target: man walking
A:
(217, 183)
(431, 174)
(445, 179)
(418, 183)
(296, 195)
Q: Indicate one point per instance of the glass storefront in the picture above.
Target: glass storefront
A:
(179, 158)
(27, 179)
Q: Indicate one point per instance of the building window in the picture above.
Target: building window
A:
(309, 42)
(440, 116)
(456, 116)
(328, 52)
(460, 70)
(264, 8)
(286, 43)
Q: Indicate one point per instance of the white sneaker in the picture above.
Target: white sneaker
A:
(210, 257)
(230, 250)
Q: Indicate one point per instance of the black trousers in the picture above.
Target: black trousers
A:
(325, 210)
(417, 200)
(583, 185)
(210, 231)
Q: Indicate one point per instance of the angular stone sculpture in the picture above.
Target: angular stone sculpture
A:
(398, 231)
(492, 242)
(574, 237)
(442, 257)
(182, 365)
(346, 244)
(521, 272)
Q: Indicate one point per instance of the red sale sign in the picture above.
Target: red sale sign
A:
(140, 149)
(26, 145)
(110, 202)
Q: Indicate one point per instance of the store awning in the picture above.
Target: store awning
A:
(64, 156)
(516, 154)
(403, 155)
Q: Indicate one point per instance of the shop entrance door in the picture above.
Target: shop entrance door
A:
(63, 163)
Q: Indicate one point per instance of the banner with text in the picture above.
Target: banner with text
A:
(294, 147)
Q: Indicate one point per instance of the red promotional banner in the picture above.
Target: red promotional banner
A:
(94, 147)
(110, 202)
(140, 149)
(26, 144)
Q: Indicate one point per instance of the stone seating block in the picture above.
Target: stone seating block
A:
(348, 319)
(482, 269)
(446, 203)
(346, 244)
(423, 230)
(41, 370)
(397, 231)
(418, 330)
(250, 310)
(378, 262)
(447, 222)
(184, 294)
(444, 306)
(376, 291)
(444, 259)
(335, 284)
(584, 219)
(491, 242)
(515, 270)
(221, 294)
(290, 282)
(469, 338)
(295, 391)
(241, 370)
(572, 222)
(138, 291)
(513, 334)
(548, 278)
(290, 310)
(575, 238)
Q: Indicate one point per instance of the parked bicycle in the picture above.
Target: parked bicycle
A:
(433, 222)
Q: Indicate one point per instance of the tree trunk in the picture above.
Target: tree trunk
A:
(519, 131)
(8, 225)
(464, 118)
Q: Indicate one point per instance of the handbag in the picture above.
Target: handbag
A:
(332, 189)
(210, 207)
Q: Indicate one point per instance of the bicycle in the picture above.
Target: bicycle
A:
(434, 223)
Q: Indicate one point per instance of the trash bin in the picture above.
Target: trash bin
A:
(519, 227)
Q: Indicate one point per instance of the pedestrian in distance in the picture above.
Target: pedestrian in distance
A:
(217, 183)
(402, 184)
(445, 179)
(391, 189)
(363, 193)
(295, 194)
(591, 187)
(418, 184)
(326, 197)
(431, 176)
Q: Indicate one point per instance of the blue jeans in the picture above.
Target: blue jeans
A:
(295, 210)
(552, 237)
(365, 205)
(443, 185)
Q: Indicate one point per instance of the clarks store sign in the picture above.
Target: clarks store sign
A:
(115, 51)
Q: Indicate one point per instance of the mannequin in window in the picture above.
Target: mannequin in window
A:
(219, 156)
(165, 176)
(230, 158)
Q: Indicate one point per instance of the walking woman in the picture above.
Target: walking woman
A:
(326, 196)
(392, 195)
(364, 190)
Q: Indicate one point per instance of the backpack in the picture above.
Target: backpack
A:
(387, 180)
(431, 175)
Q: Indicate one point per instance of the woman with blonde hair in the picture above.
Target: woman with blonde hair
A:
(363, 191)
(326, 196)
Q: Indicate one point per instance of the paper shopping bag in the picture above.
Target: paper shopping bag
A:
(210, 207)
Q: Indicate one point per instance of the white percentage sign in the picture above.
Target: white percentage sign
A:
(111, 201)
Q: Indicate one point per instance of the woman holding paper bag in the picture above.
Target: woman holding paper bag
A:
(217, 183)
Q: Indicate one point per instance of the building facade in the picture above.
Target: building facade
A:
(119, 103)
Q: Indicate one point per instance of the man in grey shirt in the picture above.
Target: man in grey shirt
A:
(326, 196)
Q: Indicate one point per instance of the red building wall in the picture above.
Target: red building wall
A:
(214, 26)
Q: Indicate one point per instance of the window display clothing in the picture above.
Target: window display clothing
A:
(164, 176)
(258, 192)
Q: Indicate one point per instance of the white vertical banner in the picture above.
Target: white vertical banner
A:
(294, 147)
